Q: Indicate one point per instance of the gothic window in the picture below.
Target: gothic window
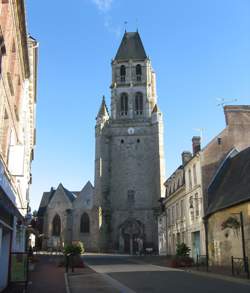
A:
(138, 103)
(124, 104)
(123, 73)
(84, 225)
(56, 226)
(138, 72)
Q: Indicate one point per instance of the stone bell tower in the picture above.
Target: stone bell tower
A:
(129, 162)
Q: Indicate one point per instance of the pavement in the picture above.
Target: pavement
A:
(47, 276)
(127, 274)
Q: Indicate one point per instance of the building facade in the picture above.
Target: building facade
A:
(186, 197)
(65, 217)
(18, 65)
(228, 210)
(129, 159)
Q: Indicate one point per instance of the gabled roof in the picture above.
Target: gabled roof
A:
(45, 201)
(131, 47)
(231, 185)
(68, 193)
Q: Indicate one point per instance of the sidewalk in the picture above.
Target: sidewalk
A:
(87, 280)
(47, 277)
(214, 272)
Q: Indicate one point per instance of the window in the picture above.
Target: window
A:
(123, 73)
(177, 211)
(124, 104)
(197, 207)
(138, 72)
(138, 103)
(131, 196)
(182, 209)
(190, 179)
(84, 226)
(195, 176)
(56, 226)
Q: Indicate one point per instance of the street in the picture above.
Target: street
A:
(131, 274)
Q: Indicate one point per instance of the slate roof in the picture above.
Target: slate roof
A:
(131, 47)
(231, 186)
(69, 194)
(45, 201)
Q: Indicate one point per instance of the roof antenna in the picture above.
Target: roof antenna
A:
(125, 25)
(136, 23)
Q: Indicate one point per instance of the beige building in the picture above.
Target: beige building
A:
(229, 210)
(18, 65)
(186, 197)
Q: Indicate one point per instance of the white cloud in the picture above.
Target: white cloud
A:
(103, 5)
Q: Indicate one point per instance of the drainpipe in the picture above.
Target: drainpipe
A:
(205, 221)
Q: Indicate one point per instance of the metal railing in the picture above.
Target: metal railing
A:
(239, 266)
(202, 261)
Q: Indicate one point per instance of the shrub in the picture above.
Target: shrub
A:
(75, 248)
(182, 249)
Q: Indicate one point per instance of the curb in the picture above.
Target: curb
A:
(66, 283)
(219, 277)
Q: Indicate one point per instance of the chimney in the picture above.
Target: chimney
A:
(196, 142)
(238, 114)
(186, 156)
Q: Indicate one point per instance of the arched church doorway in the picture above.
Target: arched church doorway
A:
(131, 237)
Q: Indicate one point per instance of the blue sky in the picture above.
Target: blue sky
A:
(198, 48)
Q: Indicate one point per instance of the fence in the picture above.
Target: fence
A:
(240, 266)
(202, 262)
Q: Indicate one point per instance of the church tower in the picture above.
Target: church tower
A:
(129, 158)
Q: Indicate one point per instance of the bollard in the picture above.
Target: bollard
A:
(232, 258)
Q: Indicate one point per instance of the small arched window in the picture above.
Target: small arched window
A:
(138, 72)
(56, 226)
(84, 225)
(124, 104)
(123, 73)
(138, 104)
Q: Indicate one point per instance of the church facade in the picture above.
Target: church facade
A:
(129, 163)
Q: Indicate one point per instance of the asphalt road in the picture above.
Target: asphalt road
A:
(131, 275)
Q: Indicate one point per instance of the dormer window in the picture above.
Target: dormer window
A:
(124, 104)
(123, 73)
(138, 103)
(138, 72)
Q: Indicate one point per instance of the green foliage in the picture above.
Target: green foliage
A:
(231, 223)
(182, 249)
(76, 248)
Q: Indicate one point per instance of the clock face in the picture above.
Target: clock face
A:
(131, 130)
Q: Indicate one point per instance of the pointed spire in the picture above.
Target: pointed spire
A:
(155, 110)
(131, 47)
(103, 109)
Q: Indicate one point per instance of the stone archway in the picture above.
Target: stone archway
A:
(131, 236)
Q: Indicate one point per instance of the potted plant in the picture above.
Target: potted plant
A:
(182, 258)
(73, 252)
